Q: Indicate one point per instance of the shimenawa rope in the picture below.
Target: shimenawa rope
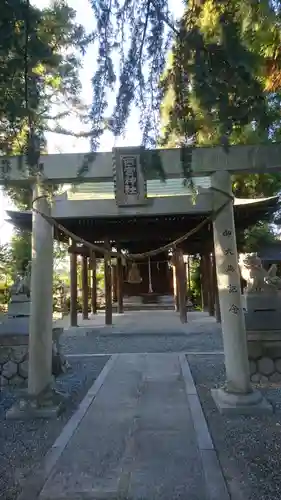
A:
(137, 256)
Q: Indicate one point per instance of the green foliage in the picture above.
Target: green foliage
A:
(132, 40)
(20, 250)
(256, 185)
(259, 235)
(222, 86)
(222, 83)
(39, 67)
(225, 54)
(39, 75)
(218, 82)
(195, 281)
(15, 256)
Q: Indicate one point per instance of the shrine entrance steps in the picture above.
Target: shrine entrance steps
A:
(146, 307)
(139, 434)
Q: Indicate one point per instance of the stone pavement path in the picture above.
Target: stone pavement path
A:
(143, 437)
(142, 331)
(139, 322)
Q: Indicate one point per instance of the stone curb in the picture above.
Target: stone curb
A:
(215, 483)
(191, 353)
(33, 485)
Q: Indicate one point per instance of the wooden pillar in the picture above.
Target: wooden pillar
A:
(85, 288)
(188, 273)
(120, 280)
(107, 286)
(73, 287)
(114, 283)
(181, 284)
(211, 284)
(93, 265)
(204, 284)
(185, 279)
(175, 286)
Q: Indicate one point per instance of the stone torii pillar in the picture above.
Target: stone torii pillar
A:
(40, 400)
(237, 395)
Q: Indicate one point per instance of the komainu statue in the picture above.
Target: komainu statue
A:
(258, 279)
(22, 284)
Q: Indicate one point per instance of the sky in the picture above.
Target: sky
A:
(68, 144)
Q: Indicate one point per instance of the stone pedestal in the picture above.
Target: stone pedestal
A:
(265, 356)
(263, 311)
(48, 404)
(259, 302)
(14, 355)
(19, 306)
(229, 403)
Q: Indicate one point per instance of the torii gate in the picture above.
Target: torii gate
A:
(237, 394)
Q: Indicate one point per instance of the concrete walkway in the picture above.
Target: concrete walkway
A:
(141, 322)
(139, 434)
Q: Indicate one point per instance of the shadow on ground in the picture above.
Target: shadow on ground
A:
(24, 444)
(249, 448)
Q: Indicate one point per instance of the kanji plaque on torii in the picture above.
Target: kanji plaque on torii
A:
(130, 174)
(130, 185)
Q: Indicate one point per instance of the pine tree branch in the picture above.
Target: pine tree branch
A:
(164, 18)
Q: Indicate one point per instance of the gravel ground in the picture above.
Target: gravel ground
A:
(24, 444)
(99, 343)
(249, 448)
